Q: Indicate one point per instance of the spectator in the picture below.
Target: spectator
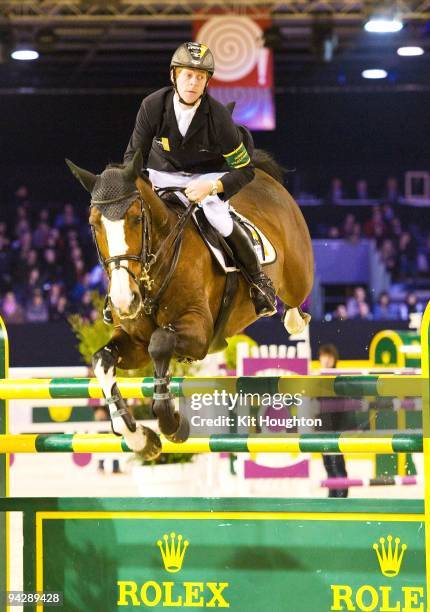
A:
(348, 226)
(407, 256)
(410, 306)
(340, 313)
(391, 193)
(385, 310)
(41, 235)
(12, 311)
(333, 233)
(355, 235)
(361, 191)
(5, 264)
(60, 310)
(353, 303)
(364, 312)
(34, 283)
(376, 225)
(67, 219)
(51, 271)
(388, 255)
(83, 282)
(85, 307)
(336, 191)
(37, 310)
(55, 291)
(387, 213)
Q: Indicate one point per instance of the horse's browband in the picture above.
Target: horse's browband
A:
(114, 200)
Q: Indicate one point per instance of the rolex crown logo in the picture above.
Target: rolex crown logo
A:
(172, 555)
(390, 560)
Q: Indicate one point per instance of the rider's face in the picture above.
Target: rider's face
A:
(190, 83)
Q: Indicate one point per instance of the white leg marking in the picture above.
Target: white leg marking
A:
(106, 382)
(135, 440)
(120, 291)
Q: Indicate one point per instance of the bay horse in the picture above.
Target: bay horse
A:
(166, 290)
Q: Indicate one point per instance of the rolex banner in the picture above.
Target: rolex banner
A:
(244, 67)
(245, 555)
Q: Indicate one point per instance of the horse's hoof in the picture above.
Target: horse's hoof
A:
(164, 410)
(307, 318)
(294, 322)
(182, 432)
(145, 443)
(153, 447)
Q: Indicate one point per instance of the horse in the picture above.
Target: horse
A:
(165, 289)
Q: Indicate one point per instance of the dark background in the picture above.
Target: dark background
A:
(351, 135)
(36, 344)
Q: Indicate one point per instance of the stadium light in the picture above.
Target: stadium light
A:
(410, 51)
(374, 73)
(383, 25)
(24, 53)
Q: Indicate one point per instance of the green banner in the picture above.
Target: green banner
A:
(252, 559)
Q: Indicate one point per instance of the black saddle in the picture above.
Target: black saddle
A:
(209, 234)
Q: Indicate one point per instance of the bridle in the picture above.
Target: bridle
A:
(146, 258)
(143, 258)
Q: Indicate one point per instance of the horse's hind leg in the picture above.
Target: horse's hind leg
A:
(172, 424)
(140, 439)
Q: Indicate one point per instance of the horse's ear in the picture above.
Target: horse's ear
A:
(86, 179)
(134, 168)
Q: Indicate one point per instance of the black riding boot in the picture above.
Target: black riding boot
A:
(262, 291)
(107, 312)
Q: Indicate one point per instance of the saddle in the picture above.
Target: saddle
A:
(223, 255)
(216, 244)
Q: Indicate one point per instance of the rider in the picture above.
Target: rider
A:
(188, 139)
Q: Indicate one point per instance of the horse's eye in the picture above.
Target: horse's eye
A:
(136, 219)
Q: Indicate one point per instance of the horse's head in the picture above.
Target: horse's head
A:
(117, 219)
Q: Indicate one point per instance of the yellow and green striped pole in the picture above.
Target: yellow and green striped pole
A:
(233, 443)
(134, 388)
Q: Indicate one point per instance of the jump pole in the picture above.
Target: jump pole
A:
(384, 385)
(238, 443)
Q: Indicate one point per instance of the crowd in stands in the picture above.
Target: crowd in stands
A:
(404, 246)
(49, 267)
(358, 307)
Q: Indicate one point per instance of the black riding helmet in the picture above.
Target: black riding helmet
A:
(192, 55)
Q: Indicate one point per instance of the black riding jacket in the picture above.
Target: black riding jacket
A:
(212, 143)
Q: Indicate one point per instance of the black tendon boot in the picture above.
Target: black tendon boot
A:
(107, 312)
(262, 291)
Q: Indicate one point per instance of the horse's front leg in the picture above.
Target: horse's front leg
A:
(140, 439)
(173, 425)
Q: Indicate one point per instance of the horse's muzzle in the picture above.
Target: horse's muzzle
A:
(134, 308)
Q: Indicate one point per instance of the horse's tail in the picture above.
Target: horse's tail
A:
(264, 161)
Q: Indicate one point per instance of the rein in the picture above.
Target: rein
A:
(147, 259)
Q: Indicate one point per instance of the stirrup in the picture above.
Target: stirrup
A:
(263, 295)
(264, 300)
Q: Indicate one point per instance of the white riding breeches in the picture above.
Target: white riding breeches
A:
(216, 210)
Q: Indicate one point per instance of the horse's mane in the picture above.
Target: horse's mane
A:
(264, 161)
